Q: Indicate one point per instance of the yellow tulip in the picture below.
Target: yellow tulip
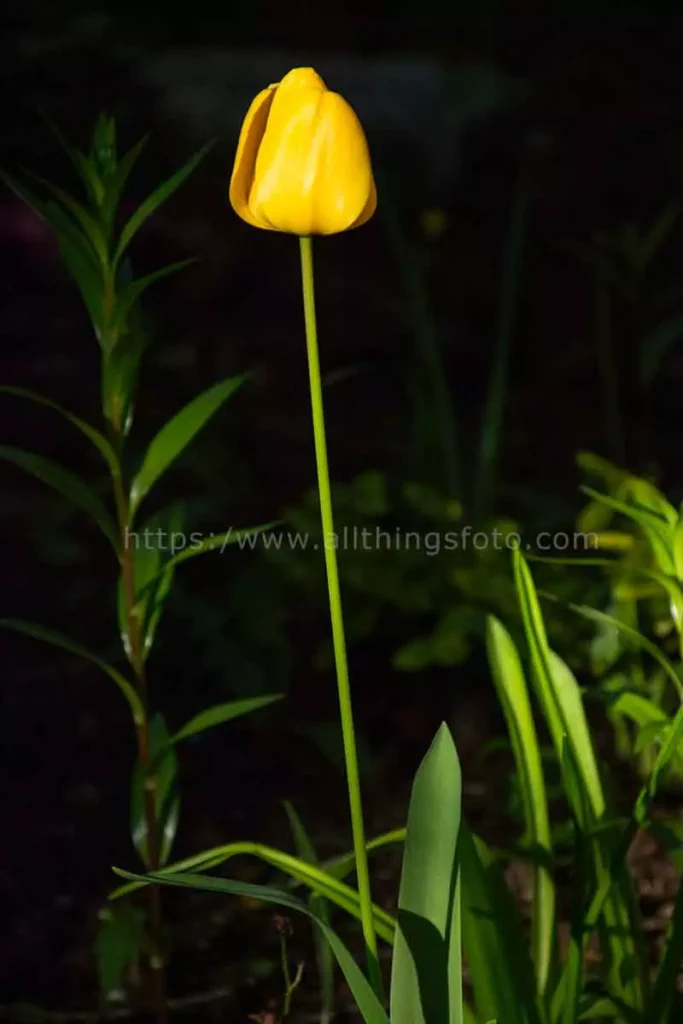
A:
(302, 163)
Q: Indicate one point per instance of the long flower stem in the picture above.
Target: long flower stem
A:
(338, 638)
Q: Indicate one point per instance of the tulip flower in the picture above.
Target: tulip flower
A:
(303, 167)
(302, 163)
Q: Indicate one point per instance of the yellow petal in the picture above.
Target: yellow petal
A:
(313, 173)
(242, 180)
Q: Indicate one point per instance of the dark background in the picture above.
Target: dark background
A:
(586, 116)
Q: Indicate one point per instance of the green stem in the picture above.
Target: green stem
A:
(338, 638)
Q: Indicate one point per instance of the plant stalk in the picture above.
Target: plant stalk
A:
(338, 637)
(136, 657)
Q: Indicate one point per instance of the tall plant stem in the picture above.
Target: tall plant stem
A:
(136, 657)
(338, 637)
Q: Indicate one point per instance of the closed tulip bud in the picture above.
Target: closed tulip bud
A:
(302, 163)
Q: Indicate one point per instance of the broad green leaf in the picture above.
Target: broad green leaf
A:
(174, 437)
(323, 954)
(313, 877)
(97, 438)
(508, 677)
(68, 485)
(155, 200)
(371, 1009)
(220, 713)
(494, 941)
(58, 640)
(426, 975)
(163, 769)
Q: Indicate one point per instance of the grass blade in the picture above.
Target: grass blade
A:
(513, 694)
(370, 1007)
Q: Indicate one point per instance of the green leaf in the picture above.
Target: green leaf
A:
(163, 769)
(151, 552)
(97, 438)
(74, 247)
(174, 437)
(129, 295)
(85, 219)
(317, 880)
(508, 677)
(220, 713)
(560, 699)
(656, 527)
(68, 485)
(118, 945)
(368, 1004)
(155, 200)
(494, 941)
(323, 953)
(58, 640)
(638, 640)
(426, 976)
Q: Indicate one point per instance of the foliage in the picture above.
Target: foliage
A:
(95, 250)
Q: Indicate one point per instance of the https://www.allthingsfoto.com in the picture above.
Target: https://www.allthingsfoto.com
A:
(357, 538)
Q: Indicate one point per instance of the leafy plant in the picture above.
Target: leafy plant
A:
(454, 907)
(95, 250)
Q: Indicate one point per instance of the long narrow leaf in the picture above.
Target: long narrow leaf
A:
(155, 200)
(174, 437)
(97, 438)
(508, 677)
(58, 640)
(368, 1004)
(323, 954)
(313, 877)
(221, 713)
(68, 485)
(494, 941)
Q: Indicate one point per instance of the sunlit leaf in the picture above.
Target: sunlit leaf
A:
(508, 677)
(368, 1003)
(426, 978)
